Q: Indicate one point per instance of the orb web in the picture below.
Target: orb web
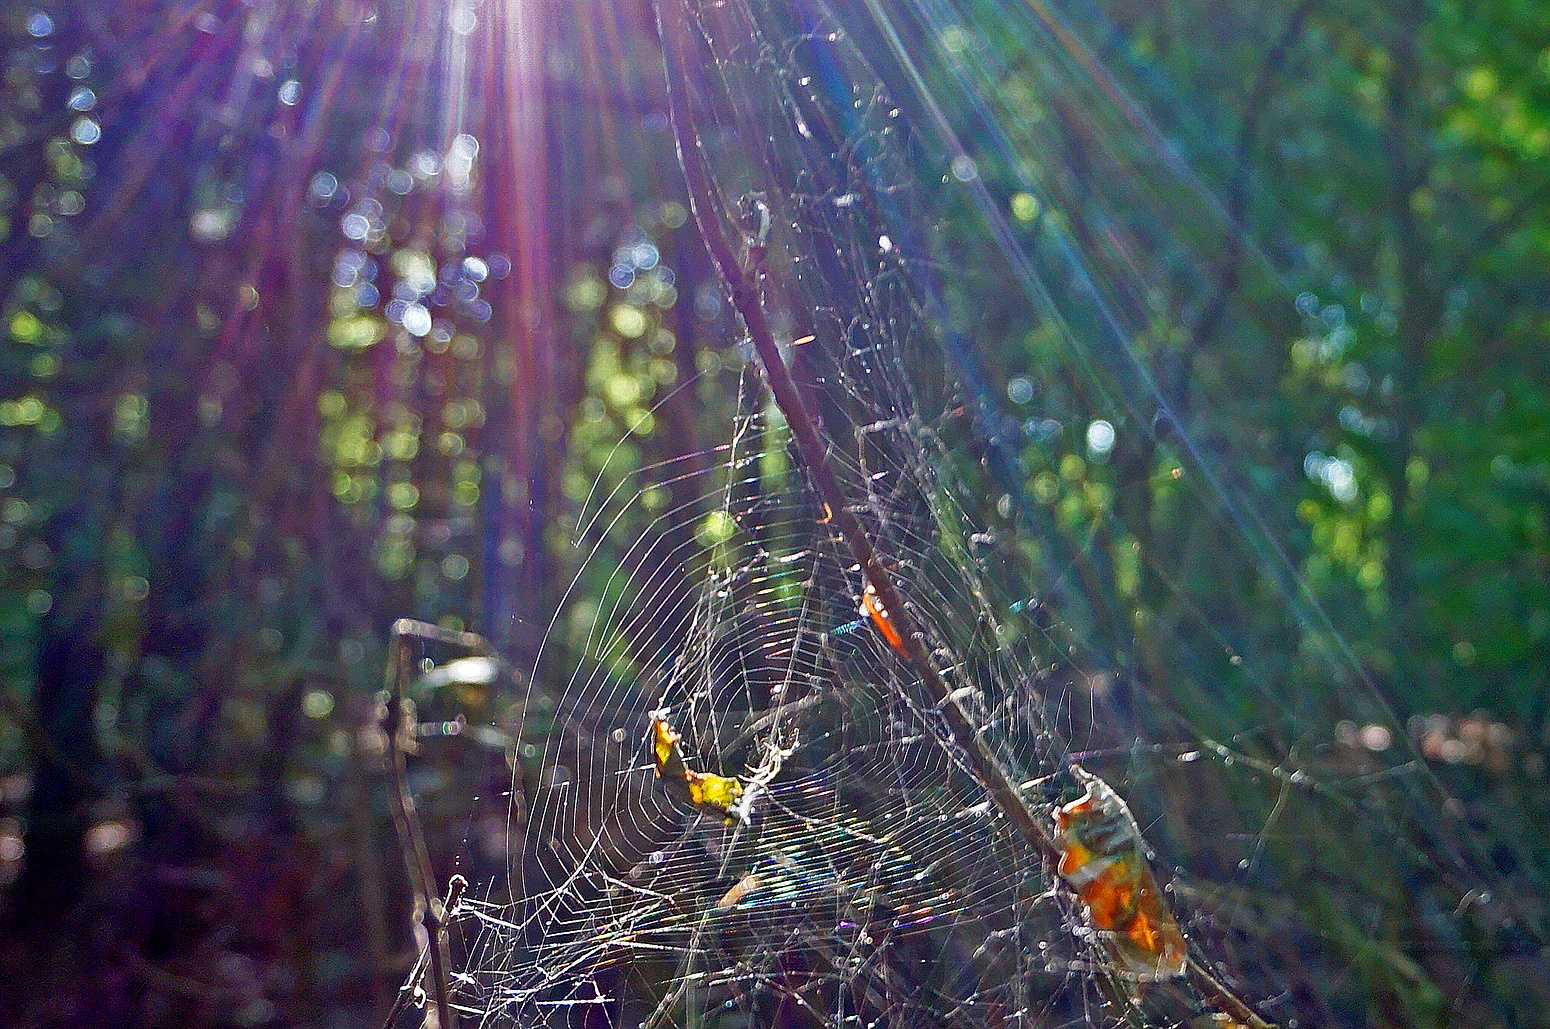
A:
(857, 872)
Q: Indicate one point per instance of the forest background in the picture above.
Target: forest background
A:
(320, 315)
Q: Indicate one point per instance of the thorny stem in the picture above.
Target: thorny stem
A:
(742, 278)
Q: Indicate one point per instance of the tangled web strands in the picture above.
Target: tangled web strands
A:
(741, 806)
(863, 876)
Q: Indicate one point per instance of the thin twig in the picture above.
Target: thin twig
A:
(1222, 995)
(410, 990)
(432, 913)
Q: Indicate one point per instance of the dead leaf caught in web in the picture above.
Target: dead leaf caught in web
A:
(704, 791)
(1104, 861)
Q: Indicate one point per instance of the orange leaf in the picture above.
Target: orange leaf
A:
(1103, 858)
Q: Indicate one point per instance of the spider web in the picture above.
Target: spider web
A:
(865, 876)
